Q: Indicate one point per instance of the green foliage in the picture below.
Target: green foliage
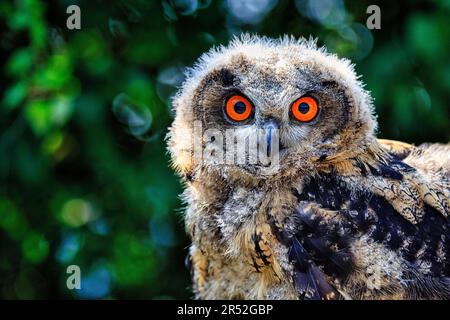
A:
(83, 114)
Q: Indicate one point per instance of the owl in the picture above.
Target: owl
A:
(317, 208)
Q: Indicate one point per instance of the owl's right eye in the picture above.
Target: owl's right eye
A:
(238, 108)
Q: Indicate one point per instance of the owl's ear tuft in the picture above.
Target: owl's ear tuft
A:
(329, 84)
(188, 176)
(225, 77)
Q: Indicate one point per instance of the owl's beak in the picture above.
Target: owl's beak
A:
(270, 127)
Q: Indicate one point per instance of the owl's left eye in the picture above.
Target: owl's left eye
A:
(238, 108)
(305, 109)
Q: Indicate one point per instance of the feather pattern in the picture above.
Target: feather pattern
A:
(308, 278)
(330, 216)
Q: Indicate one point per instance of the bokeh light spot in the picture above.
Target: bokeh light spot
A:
(96, 283)
(136, 118)
(68, 248)
(250, 11)
(77, 212)
(35, 247)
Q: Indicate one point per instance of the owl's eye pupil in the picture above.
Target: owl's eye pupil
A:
(240, 107)
(303, 108)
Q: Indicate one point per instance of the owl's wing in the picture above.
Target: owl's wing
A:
(411, 179)
(319, 250)
(309, 280)
(408, 218)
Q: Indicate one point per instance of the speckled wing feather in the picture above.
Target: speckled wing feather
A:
(386, 238)
(397, 148)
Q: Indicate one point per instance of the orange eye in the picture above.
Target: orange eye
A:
(305, 109)
(238, 108)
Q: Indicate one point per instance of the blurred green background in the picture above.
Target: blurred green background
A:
(84, 175)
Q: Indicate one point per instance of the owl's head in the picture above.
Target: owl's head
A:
(261, 108)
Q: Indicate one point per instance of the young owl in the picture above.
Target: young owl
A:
(337, 214)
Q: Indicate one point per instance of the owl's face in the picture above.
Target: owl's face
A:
(298, 103)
